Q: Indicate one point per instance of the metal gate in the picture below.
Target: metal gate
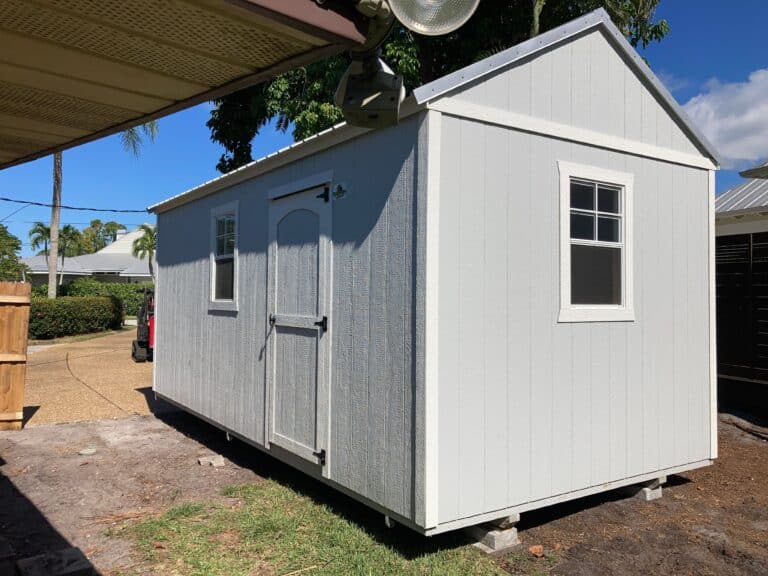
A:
(742, 306)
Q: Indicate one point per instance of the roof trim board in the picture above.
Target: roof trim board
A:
(596, 19)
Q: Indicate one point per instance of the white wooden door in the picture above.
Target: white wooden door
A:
(298, 339)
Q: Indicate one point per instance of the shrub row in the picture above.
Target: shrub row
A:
(68, 315)
(129, 294)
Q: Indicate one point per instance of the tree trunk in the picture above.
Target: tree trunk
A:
(151, 269)
(538, 6)
(53, 254)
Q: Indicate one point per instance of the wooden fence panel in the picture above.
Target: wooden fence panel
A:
(14, 326)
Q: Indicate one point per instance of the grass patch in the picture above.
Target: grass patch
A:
(276, 531)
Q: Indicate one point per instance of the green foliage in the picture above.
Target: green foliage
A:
(11, 268)
(303, 97)
(40, 235)
(97, 235)
(133, 138)
(131, 295)
(70, 315)
(145, 246)
(70, 242)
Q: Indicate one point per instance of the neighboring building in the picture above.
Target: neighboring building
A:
(503, 302)
(114, 263)
(742, 280)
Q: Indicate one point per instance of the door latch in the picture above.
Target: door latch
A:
(325, 194)
(323, 324)
(320, 455)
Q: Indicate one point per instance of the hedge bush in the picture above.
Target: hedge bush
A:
(129, 294)
(68, 315)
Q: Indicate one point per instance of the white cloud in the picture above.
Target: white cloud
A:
(673, 82)
(734, 117)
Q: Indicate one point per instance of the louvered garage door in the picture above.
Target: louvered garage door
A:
(742, 306)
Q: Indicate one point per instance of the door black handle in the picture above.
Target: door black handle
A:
(323, 324)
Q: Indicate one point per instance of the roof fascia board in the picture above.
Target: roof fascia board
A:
(531, 124)
(296, 151)
(759, 172)
(597, 19)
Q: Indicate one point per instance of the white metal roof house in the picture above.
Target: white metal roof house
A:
(113, 263)
(503, 302)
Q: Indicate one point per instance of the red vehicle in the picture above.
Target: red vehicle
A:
(142, 349)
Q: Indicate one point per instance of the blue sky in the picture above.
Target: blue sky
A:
(711, 61)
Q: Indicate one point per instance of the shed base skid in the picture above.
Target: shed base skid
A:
(496, 536)
(495, 519)
(646, 491)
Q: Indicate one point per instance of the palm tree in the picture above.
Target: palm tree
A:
(145, 246)
(69, 238)
(40, 235)
(132, 140)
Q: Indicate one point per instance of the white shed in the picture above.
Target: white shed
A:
(503, 302)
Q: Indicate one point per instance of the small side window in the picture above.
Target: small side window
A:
(224, 285)
(595, 244)
(224, 256)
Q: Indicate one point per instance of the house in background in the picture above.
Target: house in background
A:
(113, 263)
(742, 279)
(503, 302)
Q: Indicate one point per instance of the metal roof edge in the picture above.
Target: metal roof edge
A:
(760, 172)
(593, 20)
(317, 142)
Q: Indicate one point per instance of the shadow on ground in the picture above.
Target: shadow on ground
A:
(408, 543)
(28, 537)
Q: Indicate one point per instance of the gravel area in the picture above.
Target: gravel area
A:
(89, 380)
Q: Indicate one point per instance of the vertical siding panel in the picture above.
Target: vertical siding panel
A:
(633, 109)
(519, 89)
(665, 382)
(543, 283)
(617, 415)
(521, 255)
(398, 279)
(495, 230)
(580, 82)
(616, 93)
(470, 318)
(449, 349)
(560, 88)
(581, 380)
(600, 405)
(680, 199)
(650, 111)
(599, 85)
(541, 86)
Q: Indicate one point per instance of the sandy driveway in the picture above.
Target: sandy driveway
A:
(88, 380)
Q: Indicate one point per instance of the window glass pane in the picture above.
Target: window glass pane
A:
(582, 195)
(229, 225)
(595, 275)
(225, 279)
(582, 226)
(220, 226)
(608, 229)
(608, 200)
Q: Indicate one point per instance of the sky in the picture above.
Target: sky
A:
(713, 61)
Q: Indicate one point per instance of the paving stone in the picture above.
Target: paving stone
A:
(215, 460)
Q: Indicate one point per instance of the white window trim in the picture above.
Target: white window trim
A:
(218, 212)
(595, 313)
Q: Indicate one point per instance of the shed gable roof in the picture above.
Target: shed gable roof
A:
(749, 197)
(530, 49)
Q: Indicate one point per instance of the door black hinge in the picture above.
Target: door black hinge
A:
(271, 319)
(325, 195)
(323, 324)
(320, 457)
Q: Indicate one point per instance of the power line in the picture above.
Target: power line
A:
(63, 207)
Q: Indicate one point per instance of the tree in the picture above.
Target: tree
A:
(133, 138)
(132, 141)
(40, 235)
(53, 254)
(111, 229)
(11, 268)
(302, 98)
(145, 246)
(69, 245)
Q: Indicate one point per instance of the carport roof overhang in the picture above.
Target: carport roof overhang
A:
(72, 71)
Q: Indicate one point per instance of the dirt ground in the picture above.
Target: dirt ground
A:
(85, 381)
(710, 521)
